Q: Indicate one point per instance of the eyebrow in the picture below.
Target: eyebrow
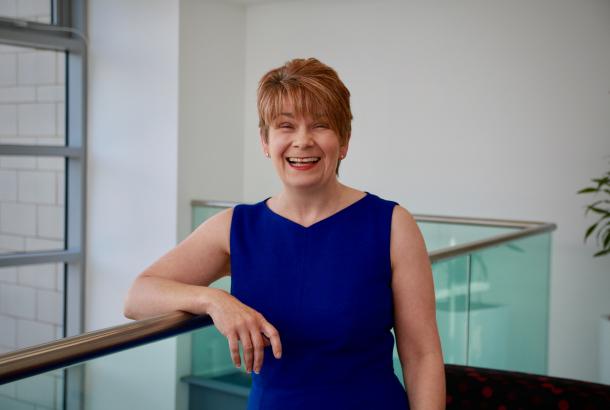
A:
(291, 115)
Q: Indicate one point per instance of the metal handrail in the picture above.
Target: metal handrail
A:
(65, 352)
(526, 228)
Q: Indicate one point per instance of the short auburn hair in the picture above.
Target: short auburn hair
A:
(313, 88)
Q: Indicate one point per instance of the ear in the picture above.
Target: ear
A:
(345, 147)
(264, 144)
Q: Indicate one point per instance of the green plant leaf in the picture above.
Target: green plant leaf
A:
(603, 233)
(599, 236)
(604, 226)
(601, 201)
(602, 180)
(606, 237)
(598, 210)
(601, 227)
(590, 230)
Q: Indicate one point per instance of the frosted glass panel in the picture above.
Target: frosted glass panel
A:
(508, 324)
(451, 288)
(41, 392)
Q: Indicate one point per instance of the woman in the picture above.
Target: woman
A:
(320, 272)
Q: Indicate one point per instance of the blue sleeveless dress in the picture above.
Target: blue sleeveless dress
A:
(327, 290)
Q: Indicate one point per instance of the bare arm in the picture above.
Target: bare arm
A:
(415, 326)
(179, 280)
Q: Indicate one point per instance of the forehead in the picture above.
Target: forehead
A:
(289, 111)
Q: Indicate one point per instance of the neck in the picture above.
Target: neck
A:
(310, 203)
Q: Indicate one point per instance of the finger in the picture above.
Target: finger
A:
(257, 341)
(248, 348)
(266, 340)
(234, 348)
(274, 336)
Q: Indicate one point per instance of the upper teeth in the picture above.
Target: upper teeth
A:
(308, 159)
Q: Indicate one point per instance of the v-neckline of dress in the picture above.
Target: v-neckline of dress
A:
(339, 212)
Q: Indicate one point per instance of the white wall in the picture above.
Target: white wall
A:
(132, 172)
(133, 125)
(211, 120)
(473, 108)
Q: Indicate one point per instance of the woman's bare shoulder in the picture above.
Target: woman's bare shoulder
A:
(407, 241)
(402, 218)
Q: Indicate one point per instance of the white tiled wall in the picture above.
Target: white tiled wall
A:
(31, 305)
(32, 94)
(32, 111)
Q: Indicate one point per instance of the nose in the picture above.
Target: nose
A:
(302, 138)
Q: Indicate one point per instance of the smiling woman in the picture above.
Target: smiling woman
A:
(320, 272)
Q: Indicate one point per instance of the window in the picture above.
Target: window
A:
(31, 10)
(42, 170)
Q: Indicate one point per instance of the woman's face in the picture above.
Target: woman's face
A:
(304, 150)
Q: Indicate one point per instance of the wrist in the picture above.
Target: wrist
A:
(210, 299)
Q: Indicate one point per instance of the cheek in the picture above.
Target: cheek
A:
(277, 151)
(332, 149)
(277, 144)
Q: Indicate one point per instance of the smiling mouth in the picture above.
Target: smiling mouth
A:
(302, 160)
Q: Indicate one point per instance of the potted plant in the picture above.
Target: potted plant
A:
(601, 228)
(601, 207)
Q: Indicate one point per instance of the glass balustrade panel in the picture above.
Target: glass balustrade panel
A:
(42, 392)
(509, 302)
(451, 292)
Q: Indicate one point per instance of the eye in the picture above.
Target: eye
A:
(321, 125)
(285, 125)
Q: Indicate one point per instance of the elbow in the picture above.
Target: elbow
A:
(128, 310)
(129, 305)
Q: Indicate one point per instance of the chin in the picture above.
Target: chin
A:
(303, 183)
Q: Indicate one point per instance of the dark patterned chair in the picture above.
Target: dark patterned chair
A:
(479, 388)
